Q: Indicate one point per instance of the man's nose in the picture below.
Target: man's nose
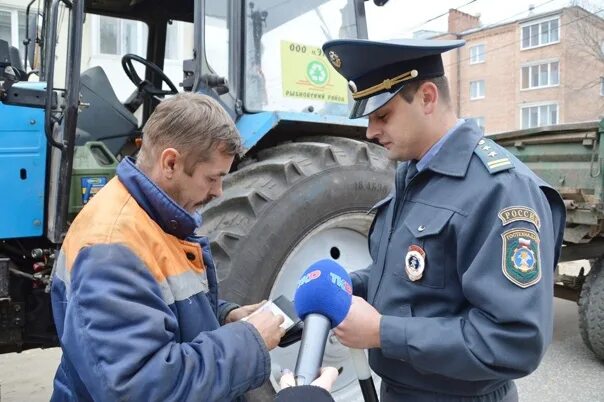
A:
(217, 191)
(372, 131)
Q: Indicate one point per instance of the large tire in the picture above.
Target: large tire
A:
(591, 309)
(295, 204)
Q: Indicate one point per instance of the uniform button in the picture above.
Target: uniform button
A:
(173, 224)
(190, 256)
(421, 228)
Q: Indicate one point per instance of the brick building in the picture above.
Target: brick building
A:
(544, 69)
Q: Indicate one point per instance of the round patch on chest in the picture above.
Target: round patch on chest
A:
(415, 262)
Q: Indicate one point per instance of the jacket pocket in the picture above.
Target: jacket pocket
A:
(425, 220)
(425, 227)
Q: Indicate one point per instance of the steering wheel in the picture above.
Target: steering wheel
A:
(144, 85)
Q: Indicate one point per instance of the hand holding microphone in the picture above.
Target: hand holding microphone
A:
(361, 328)
(328, 377)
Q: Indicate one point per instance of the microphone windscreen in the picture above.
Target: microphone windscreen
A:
(325, 288)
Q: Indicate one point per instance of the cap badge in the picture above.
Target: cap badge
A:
(335, 59)
(415, 262)
(352, 86)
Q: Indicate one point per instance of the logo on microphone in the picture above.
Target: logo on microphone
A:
(341, 283)
(309, 277)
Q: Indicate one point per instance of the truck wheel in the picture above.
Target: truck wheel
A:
(295, 204)
(591, 309)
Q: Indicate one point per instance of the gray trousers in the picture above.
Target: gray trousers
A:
(507, 393)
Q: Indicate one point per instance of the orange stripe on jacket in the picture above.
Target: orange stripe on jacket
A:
(114, 216)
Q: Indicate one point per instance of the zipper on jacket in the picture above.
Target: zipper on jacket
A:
(397, 213)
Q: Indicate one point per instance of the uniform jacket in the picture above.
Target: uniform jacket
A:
(134, 298)
(481, 313)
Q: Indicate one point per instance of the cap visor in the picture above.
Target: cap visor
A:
(364, 107)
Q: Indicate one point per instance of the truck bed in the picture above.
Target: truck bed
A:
(570, 158)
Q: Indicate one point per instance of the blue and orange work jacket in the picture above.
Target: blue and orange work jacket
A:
(134, 298)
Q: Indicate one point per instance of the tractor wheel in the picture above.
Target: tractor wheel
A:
(591, 309)
(295, 204)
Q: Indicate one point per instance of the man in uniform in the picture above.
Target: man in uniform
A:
(458, 301)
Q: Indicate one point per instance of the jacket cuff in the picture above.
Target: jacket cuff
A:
(358, 285)
(263, 348)
(393, 337)
(224, 309)
(303, 393)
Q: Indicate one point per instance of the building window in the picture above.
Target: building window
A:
(541, 75)
(218, 30)
(119, 36)
(539, 115)
(172, 41)
(477, 89)
(477, 54)
(6, 30)
(601, 86)
(540, 34)
(179, 47)
(108, 43)
(12, 27)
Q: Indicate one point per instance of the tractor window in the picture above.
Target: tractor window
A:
(179, 47)
(217, 37)
(285, 67)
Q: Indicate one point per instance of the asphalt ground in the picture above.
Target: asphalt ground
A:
(569, 372)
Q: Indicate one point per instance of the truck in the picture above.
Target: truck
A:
(570, 158)
(301, 192)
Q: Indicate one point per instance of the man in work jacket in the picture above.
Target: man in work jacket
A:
(459, 298)
(134, 292)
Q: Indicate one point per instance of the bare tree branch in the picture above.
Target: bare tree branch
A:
(585, 34)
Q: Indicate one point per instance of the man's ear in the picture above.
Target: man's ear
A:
(429, 96)
(168, 161)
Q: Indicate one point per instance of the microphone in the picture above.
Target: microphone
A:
(322, 300)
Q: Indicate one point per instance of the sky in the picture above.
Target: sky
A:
(400, 18)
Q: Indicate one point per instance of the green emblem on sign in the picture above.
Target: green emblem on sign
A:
(521, 260)
(317, 73)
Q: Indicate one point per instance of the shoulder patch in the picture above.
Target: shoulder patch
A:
(519, 213)
(521, 261)
(494, 157)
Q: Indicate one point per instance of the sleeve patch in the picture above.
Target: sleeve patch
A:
(520, 257)
(519, 213)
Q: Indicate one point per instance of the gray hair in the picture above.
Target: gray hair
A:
(194, 125)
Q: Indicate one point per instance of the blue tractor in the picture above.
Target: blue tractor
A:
(300, 194)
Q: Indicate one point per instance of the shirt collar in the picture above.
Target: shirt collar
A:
(170, 216)
(423, 162)
(456, 149)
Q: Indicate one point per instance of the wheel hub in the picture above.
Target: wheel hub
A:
(344, 240)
